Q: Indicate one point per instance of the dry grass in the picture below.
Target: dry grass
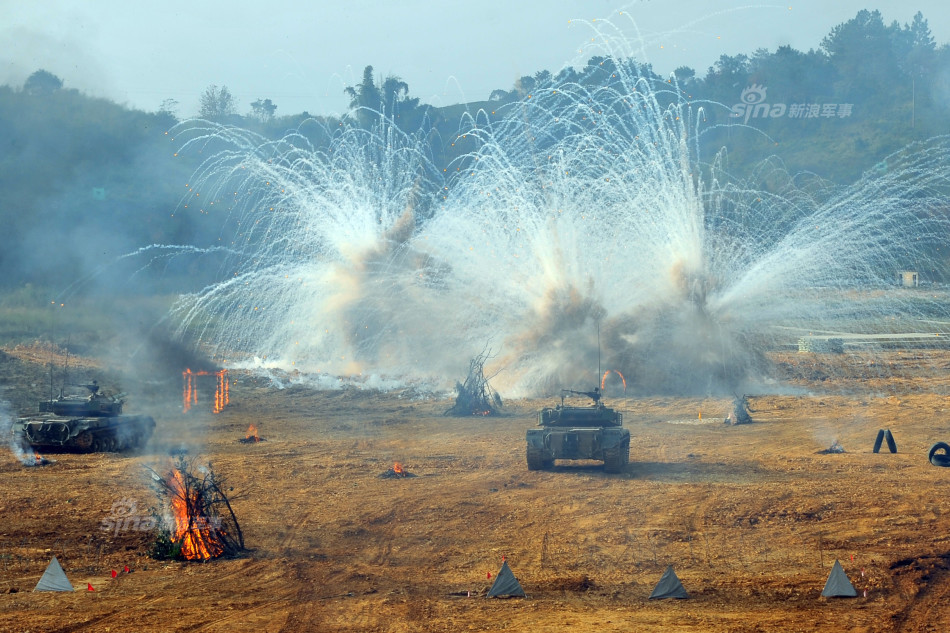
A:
(752, 518)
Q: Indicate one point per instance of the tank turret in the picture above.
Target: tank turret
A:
(84, 418)
(92, 403)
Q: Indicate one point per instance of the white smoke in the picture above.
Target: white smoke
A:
(17, 444)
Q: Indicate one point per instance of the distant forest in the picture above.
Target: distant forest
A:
(84, 180)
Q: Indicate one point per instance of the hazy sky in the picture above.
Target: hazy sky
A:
(302, 54)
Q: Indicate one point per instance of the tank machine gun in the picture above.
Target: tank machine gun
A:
(594, 395)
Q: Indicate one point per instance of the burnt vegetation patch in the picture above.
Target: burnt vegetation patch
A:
(475, 396)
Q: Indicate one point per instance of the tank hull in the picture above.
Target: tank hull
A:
(578, 433)
(609, 445)
(86, 434)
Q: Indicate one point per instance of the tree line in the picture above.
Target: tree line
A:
(74, 164)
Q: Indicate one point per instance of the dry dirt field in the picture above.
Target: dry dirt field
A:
(752, 517)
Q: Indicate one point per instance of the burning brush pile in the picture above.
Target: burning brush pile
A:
(398, 471)
(200, 524)
(475, 395)
(252, 437)
(835, 447)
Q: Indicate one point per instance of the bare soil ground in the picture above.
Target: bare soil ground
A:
(752, 517)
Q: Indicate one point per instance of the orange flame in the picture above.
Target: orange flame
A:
(603, 379)
(252, 434)
(193, 530)
(397, 468)
(222, 389)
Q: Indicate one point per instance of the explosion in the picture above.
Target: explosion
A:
(607, 235)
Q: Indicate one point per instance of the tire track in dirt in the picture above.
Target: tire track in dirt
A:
(196, 588)
(248, 572)
(205, 626)
(928, 607)
(384, 539)
(302, 615)
(290, 536)
(95, 620)
(309, 611)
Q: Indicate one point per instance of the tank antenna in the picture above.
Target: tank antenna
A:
(62, 391)
(52, 340)
(51, 371)
(599, 374)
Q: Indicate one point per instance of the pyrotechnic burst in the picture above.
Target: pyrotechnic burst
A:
(582, 212)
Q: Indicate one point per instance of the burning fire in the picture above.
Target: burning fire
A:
(252, 436)
(35, 459)
(194, 531)
(28, 456)
(222, 390)
(603, 379)
(398, 471)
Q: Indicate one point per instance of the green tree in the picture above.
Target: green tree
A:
(865, 53)
(566, 75)
(684, 75)
(598, 71)
(364, 98)
(791, 75)
(42, 82)
(263, 110)
(216, 103)
(921, 50)
(390, 98)
(395, 93)
(169, 107)
(525, 85)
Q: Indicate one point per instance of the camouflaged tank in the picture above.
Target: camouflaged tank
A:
(85, 420)
(578, 432)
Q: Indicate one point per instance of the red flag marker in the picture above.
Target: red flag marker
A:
(89, 587)
(127, 570)
(488, 575)
(114, 573)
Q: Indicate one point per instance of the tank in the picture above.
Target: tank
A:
(87, 420)
(579, 432)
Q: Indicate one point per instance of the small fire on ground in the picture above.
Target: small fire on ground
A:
(35, 459)
(252, 436)
(28, 457)
(398, 471)
(835, 447)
